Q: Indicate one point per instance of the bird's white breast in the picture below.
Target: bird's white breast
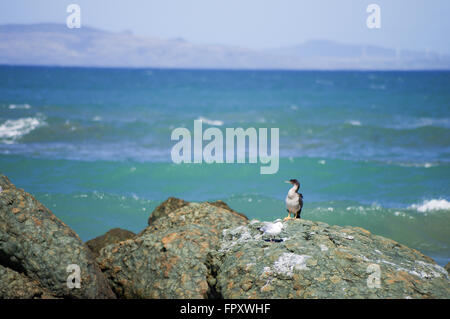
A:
(292, 200)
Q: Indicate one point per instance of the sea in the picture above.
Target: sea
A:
(370, 149)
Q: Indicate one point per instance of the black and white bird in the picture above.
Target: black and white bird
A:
(294, 200)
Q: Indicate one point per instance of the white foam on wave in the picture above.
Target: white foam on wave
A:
(431, 205)
(210, 122)
(11, 130)
(354, 123)
(414, 123)
(425, 165)
(19, 106)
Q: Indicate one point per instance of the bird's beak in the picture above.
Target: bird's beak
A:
(287, 182)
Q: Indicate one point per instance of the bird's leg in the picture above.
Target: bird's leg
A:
(289, 215)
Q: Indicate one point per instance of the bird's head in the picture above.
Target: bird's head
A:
(293, 182)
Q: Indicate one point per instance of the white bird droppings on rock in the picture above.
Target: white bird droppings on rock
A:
(288, 262)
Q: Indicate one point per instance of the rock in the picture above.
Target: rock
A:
(36, 248)
(205, 214)
(315, 260)
(447, 267)
(205, 250)
(111, 237)
(169, 259)
(171, 204)
(165, 207)
(17, 286)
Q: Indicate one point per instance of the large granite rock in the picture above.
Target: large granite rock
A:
(36, 248)
(113, 236)
(205, 251)
(314, 260)
(169, 259)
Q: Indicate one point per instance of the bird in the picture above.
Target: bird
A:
(294, 200)
(272, 229)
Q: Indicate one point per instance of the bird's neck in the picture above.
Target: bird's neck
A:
(294, 189)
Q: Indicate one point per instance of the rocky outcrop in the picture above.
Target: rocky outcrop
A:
(113, 236)
(171, 204)
(315, 260)
(169, 259)
(206, 251)
(36, 248)
(447, 267)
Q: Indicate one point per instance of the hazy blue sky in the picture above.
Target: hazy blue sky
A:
(406, 24)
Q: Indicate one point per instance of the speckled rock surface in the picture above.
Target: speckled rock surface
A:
(17, 286)
(39, 246)
(113, 236)
(172, 204)
(315, 260)
(169, 259)
(205, 214)
(169, 205)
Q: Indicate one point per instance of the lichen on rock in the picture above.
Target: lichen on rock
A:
(316, 260)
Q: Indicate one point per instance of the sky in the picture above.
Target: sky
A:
(257, 24)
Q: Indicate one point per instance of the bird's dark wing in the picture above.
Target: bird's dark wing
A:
(300, 202)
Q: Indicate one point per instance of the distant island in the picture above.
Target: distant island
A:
(56, 45)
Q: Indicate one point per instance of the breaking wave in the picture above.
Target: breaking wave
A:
(19, 106)
(431, 205)
(11, 130)
(354, 123)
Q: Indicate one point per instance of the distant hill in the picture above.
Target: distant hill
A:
(55, 44)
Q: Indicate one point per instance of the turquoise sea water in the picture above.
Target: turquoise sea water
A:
(371, 149)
